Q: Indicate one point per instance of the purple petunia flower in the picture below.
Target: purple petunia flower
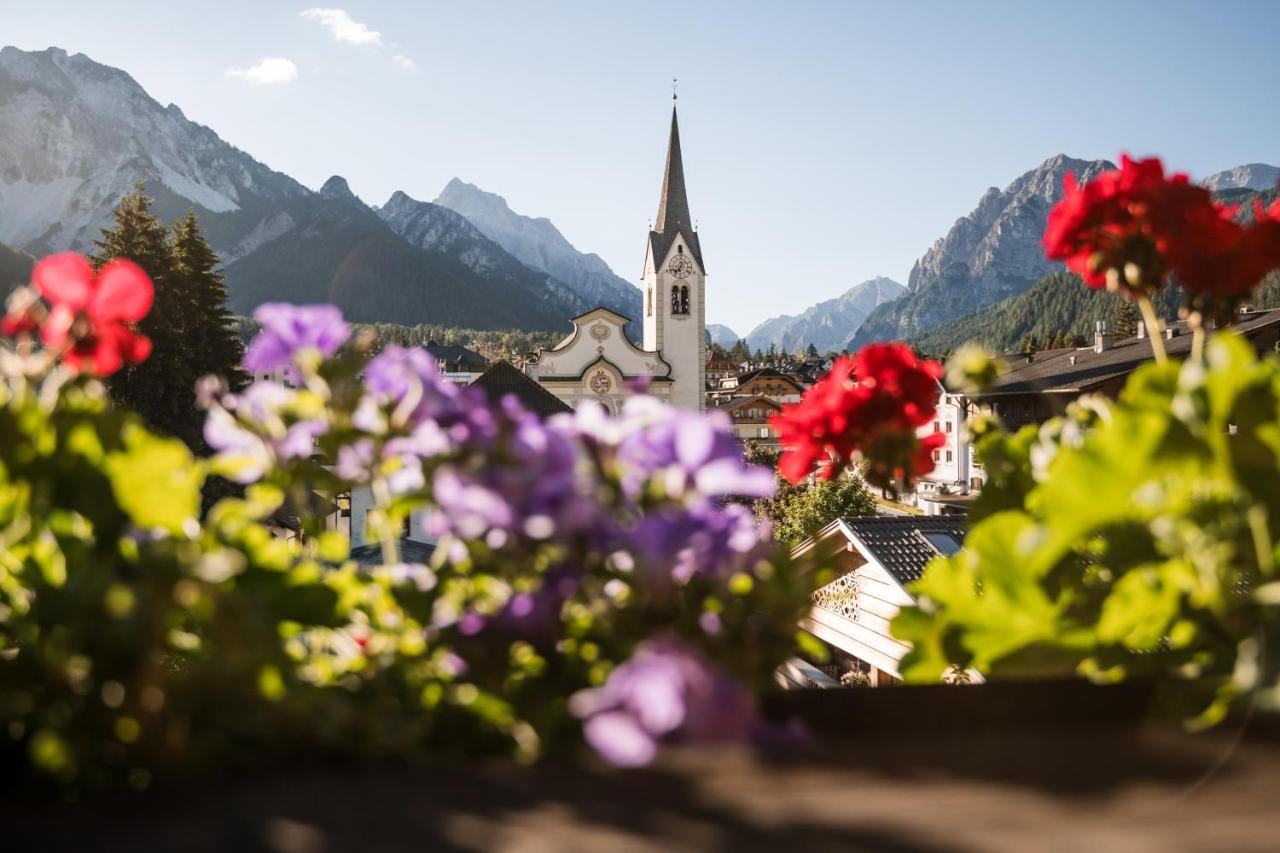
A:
(665, 691)
(287, 329)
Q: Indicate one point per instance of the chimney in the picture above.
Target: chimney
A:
(1142, 330)
(1101, 337)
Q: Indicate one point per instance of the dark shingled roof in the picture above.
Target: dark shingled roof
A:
(900, 543)
(673, 207)
(411, 551)
(505, 378)
(1053, 370)
(457, 358)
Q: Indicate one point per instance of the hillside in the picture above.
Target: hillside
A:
(343, 253)
(1060, 303)
(15, 269)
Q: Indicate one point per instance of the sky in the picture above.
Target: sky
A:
(824, 143)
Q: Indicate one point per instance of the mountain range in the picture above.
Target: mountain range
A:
(76, 135)
(991, 254)
(829, 326)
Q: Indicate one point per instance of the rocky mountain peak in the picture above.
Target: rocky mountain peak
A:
(1251, 176)
(991, 254)
(338, 188)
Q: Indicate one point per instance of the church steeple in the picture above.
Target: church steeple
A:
(673, 207)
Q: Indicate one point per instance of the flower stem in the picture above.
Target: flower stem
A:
(386, 536)
(1197, 344)
(1154, 329)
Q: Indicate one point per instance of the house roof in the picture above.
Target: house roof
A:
(902, 543)
(456, 354)
(673, 205)
(769, 373)
(505, 378)
(738, 402)
(411, 551)
(1054, 371)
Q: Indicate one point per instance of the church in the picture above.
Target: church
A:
(596, 361)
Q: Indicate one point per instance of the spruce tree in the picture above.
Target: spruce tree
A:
(213, 344)
(159, 389)
(1126, 320)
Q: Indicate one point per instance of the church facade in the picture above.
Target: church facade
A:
(597, 361)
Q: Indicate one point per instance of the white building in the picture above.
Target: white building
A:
(596, 361)
(877, 558)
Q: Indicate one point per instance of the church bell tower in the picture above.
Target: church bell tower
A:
(674, 285)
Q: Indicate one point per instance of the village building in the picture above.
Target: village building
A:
(598, 362)
(876, 559)
(457, 363)
(750, 417)
(1035, 387)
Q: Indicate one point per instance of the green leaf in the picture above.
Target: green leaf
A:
(155, 480)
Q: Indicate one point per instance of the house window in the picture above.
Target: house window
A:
(937, 456)
(948, 426)
(948, 455)
(937, 427)
(764, 432)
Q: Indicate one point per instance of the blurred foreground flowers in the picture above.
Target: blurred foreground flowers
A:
(137, 637)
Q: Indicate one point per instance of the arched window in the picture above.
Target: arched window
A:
(675, 299)
(684, 299)
(649, 302)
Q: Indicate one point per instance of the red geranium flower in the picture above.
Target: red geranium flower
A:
(1238, 265)
(1129, 228)
(91, 312)
(870, 403)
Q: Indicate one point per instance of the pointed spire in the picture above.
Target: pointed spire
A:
(673, 207)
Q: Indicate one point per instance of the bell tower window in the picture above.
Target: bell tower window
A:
(679, 299)
(648, 294)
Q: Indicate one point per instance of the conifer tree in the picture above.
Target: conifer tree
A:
(159, 389)
(1126, 319)
(213, 344)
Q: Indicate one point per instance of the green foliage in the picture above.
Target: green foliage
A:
(1059, 310)
(213, 344)
(1135, 538)
(190, 330)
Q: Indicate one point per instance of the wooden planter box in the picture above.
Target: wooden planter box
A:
(1027, 766)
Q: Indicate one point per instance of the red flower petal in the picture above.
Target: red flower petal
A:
(124, 292)
(57, 327)
(64, 279)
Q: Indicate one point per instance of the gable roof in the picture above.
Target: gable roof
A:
(768, 373)
(455, 354)
(900, 543)
(1078, 370)
(737, 402)
(505, 378)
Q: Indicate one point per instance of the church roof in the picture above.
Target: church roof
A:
(673, 207)
(505, 378)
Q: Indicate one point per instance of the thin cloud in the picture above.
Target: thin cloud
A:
(271, 71)
(404, 63)
(342, 27)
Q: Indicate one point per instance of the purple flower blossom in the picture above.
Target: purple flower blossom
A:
(287, 329)
(665, 691)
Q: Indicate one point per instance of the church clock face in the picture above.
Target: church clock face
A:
(680, 266)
